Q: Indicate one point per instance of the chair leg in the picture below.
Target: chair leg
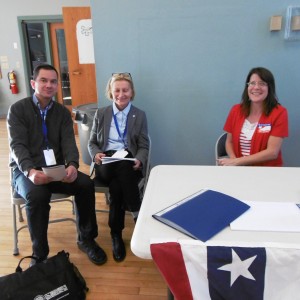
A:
(73, 205)
(20, 207)
(21, 219)
(107, 198)
(16, 249)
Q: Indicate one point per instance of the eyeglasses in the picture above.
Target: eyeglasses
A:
(259, 83)
(125, 75)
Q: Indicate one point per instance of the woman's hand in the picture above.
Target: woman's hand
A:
(226, 161)
(137, 164)
(272, 151)
(98, 157)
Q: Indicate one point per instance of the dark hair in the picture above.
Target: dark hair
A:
(271, 101)
(37, 69)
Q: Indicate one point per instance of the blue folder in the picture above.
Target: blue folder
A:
(202, 215)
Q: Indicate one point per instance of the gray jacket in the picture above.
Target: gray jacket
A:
(137, 133)
(26, 139)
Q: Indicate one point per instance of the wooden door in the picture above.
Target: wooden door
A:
(82, 75)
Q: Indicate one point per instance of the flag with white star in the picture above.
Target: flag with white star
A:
(236, 272)
(195, 271)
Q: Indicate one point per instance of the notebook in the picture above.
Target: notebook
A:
(203, 214)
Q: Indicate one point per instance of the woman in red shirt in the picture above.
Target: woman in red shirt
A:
(256, 127)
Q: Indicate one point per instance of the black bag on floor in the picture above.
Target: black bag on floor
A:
(56, 278)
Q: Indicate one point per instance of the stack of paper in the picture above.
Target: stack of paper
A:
(57, 173)
(107, 160)
(269, 216)
(117, 156)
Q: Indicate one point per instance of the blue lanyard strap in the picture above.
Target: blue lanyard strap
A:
(118, 129)
(43, 113)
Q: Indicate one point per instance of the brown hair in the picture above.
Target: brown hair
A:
(271, 101)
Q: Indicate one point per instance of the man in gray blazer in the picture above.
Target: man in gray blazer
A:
(41, 134)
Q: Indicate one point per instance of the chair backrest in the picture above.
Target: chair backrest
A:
(220, 150)
(144, 180)
(148, 166)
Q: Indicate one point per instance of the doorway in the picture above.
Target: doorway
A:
(56, 40)
(43, 41)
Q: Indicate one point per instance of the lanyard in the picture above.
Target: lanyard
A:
(118, 129)
(44, 125)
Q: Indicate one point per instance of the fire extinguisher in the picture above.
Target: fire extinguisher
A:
(12, 78)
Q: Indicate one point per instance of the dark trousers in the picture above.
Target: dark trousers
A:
(37, 199)
(123, 181)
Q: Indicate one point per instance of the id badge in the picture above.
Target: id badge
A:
(49, 157)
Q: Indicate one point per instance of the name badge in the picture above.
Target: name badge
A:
(49, 157)
(264, 128)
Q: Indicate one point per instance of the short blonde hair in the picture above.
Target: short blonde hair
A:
(118, 77)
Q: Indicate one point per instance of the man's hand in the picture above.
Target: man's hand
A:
(39, 177)
(71, 174)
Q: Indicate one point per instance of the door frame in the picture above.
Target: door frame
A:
(55, 56)
(45, 20)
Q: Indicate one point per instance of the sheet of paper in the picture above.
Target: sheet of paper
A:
(269, 216)
(55, 172)
(107, 160)
(117, 156)
(120, 154)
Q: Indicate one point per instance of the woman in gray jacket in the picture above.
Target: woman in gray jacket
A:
(117, 128)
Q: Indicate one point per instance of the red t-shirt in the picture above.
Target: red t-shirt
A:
(276, 124)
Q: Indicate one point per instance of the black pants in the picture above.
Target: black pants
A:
(37, 198)
(123, 181)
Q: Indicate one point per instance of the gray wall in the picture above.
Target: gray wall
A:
(189, 60)
(9, 32)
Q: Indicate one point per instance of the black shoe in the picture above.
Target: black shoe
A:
(118, 248)
(94, 252)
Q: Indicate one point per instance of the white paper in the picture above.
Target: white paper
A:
(120, 154)
(57, 173)
(107, 160)
(85, 43)
(269, 216)
(117, 156)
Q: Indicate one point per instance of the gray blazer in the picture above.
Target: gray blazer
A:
(137, 133)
